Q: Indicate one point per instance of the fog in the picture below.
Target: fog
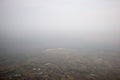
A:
(36, 24)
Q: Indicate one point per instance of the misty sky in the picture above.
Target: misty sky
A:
(40, 23)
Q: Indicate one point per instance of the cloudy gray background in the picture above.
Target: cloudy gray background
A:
(35, 24)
